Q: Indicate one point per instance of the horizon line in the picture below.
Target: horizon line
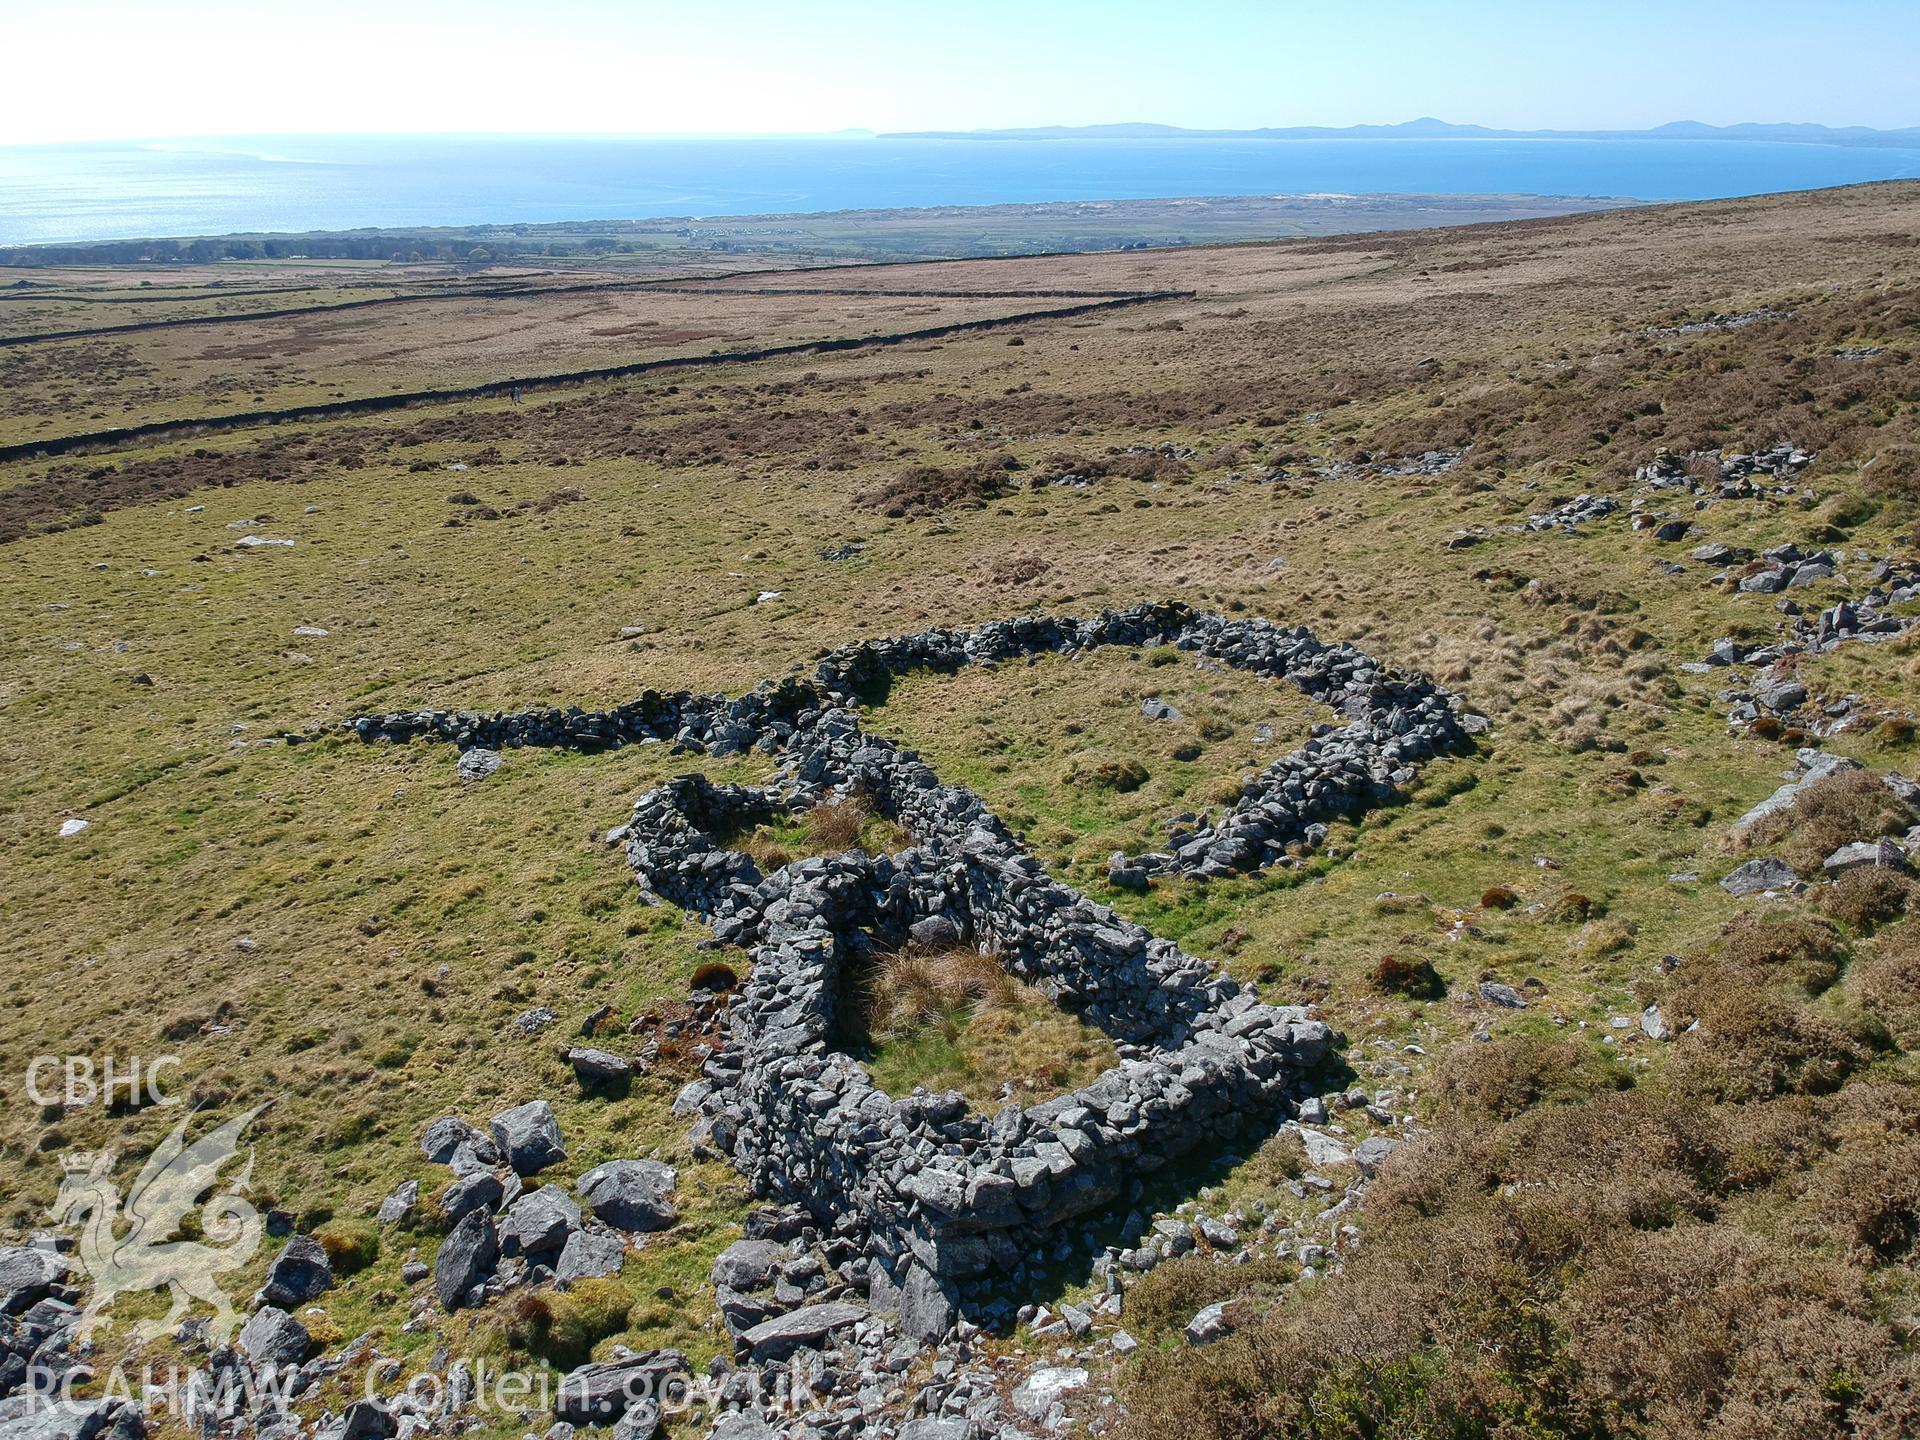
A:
(860, 132)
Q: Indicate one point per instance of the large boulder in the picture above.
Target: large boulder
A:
(1880, 854)
(27, 1273)
(467, 1257)
(444, 1137)
(1760, 875)
(273, 1337)
(632, 1195)
(528, 1137)
(299, 1273)
(748, 1264)
(481, 1190)
(539, 1224)
(779, 1337)
(586, 1254)
(604, 1391)
(926, 1306)
(599, 1067)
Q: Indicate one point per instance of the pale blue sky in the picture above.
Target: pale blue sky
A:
(94, 69)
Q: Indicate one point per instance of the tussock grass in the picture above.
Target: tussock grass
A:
(955, 1019)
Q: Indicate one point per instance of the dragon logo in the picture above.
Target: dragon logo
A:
(153, 1251)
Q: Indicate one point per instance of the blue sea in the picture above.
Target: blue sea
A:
(208, 187)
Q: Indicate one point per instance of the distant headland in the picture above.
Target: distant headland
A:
(1427, 128)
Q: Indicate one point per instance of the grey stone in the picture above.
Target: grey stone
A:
(76, 1420)
(1209, 1325)
(632, 1195)
(748, 1265)
(1370, 1154)
(273, 1337)
(27, 1272)
(445, 1136)
(595, 1067)
(779, 1337)
(935, 932)
(478, 764)
(538, 1224)
(528, 1137)
(1494, 993)
(641, 1422)
(467, 1257)
(931, 1428)
(481, 1190)
(926, 1307)
(604, 1391)
(1778, 692)
(1036, 1395)
(1158, 710)
(1879, 854)
(399, 1204)
(1755, 876)
(366, 1420)
(299, 1273)
(588, 1253)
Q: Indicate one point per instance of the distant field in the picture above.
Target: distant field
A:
(186, 372)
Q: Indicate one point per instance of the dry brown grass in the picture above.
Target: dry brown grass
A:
(916, 987)
(835, 825)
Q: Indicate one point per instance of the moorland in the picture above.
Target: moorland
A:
(1656, 1163)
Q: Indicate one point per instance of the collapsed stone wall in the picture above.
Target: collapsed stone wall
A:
(951, 1206)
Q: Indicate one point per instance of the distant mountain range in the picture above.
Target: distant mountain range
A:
(1428, 128)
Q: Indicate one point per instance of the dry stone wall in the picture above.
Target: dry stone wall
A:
(952, 1207)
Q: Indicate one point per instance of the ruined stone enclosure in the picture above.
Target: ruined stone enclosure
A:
(954, 1208)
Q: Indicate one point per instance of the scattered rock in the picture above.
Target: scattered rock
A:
(632, 1195)
(528, 1137)
(273, 1337)
(478, 763)
(1760, 875)
(299, 1273)
(467, 1256)
(598, 1067)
